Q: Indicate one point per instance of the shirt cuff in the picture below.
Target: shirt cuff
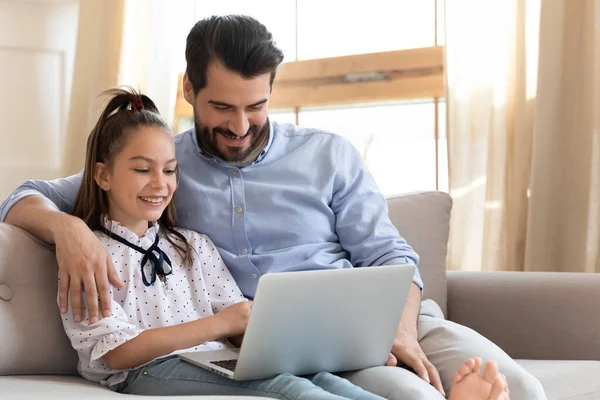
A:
(403, 260)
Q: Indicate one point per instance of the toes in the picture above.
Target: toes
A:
(470, 364)
(476, 365)
(497, 390)
(491, 372)
(461, 373)
(503, 377)
(506, 391)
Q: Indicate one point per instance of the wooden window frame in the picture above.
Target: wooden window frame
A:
(362, 78)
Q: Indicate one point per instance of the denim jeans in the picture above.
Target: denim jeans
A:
(172, 376)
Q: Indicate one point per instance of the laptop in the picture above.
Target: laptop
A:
(312, 321)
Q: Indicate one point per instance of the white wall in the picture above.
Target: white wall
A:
(37, 48)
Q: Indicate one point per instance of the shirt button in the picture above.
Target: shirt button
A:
(244, 251)
(254, 276)
(234, 173)
(239, 209)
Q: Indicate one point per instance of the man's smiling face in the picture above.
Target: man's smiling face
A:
(230, 113)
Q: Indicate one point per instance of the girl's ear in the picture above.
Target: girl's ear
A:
(101, 176)
(188, 91)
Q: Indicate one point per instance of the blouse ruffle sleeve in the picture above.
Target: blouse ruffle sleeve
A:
(105, 335)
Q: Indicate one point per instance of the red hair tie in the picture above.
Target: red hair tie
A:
(137, 104)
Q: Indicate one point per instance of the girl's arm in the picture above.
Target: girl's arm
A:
(236, 340)
(158, 342)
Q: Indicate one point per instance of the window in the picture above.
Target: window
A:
(370, 71)
(395, 140)
(338, 27)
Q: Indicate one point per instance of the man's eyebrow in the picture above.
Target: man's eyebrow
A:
(219, 103)
(223, 104)
(258, 103)
(150, 160)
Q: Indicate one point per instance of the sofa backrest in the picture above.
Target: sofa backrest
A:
(423, 219)
(32, 337)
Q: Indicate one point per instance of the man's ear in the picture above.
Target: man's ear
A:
(101, 176)
(188, 90)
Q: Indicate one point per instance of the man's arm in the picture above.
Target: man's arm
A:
(362, 222)
(60, 192)
(41, 208)
(406, 346)
(366, 232)
(27, 214)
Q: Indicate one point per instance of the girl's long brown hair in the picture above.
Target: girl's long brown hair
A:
(126, 112)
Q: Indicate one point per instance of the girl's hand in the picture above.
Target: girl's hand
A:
(234, 318)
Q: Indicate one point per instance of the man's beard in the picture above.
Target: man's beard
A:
(207, 140)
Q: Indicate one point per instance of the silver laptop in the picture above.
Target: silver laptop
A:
(312, 321)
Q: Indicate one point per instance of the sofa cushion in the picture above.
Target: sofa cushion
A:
(423, 219)
(33, 339)
(71, 387)
(566, 379)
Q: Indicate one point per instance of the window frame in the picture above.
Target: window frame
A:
(362, 78)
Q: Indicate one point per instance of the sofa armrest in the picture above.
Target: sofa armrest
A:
(531, 315)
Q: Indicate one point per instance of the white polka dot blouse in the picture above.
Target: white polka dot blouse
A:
(191, 292)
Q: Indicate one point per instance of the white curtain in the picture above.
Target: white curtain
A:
(154, 48)
(140, 43)
(96, 68)
(523, 134)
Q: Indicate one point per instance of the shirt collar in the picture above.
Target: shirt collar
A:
(217, 160)
(118, 229)
(264, 151)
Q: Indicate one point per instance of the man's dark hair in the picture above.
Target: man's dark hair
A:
(239, 42)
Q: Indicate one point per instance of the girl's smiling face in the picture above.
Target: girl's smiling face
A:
(140, 179)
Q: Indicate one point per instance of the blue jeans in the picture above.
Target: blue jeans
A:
(172, 376)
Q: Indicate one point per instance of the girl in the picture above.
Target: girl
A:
(178, 295)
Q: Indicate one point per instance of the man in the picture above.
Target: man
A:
(273, 198)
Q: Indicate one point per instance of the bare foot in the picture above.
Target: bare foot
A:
(469, 384)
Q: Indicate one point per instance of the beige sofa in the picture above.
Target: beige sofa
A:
(550, 322)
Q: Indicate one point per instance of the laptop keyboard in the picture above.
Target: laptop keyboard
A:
(227, 364)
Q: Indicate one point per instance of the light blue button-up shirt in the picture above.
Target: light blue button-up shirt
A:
(307, 202)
